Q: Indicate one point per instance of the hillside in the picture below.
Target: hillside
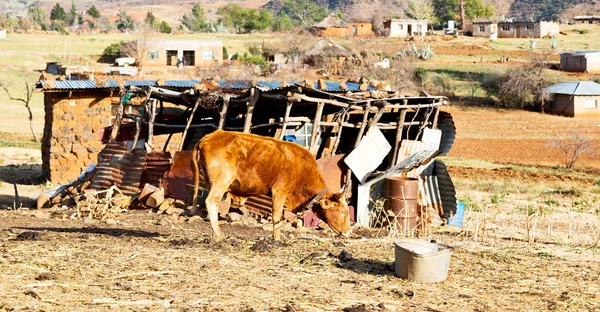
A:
(172, 11)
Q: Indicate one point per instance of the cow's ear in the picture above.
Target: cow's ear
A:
(325, 203)
(341, 195)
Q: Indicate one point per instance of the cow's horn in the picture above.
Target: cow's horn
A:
(316, 199)
(341, 193)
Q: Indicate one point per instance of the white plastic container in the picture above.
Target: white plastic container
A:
(421, 261)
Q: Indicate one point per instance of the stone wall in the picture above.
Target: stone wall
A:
(71, 139)
(73, 127)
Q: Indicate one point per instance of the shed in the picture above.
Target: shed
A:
(574, 99)
(587, 19)
(580, 61)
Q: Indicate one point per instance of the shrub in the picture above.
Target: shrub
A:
(114, 49)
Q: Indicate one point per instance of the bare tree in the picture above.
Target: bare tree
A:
(26, 100)
(573, 146)
(473, 84)
(140, 47)
(420, 9)
(527, 83)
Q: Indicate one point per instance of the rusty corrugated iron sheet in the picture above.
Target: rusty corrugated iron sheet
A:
(155, 166)
(446, 189)
(106, 172)
(446, 125)
(118, 167)
(179, 176)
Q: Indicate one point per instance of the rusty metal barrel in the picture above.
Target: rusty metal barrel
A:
(401, 194)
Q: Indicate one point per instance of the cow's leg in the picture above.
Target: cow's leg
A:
(212, 205)
(278, 202)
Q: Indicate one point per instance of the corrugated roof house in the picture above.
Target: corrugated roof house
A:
(580, 61)
(574, 99)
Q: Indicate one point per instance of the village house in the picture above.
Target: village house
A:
(515, 29)
(586, 19)
(580, 61)
(185, 53)
(574, 99)
(333, 26)
(405, 27)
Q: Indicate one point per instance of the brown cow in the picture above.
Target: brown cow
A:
(247, 165)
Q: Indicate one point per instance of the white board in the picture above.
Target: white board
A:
(369, 153)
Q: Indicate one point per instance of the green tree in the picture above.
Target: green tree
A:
(93, 12)
(37, 16)
(125, 21)
(304, 12)
(164, 27)
(58, 13)
(282, 22)
(196, 19)
(233, 15)
(72, 17)
(445, 10)
(475, 9)
(150, 18)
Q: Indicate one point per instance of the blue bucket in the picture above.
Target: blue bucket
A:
(457, 219)
(290, 138)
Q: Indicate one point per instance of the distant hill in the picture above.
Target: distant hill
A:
(172, 10)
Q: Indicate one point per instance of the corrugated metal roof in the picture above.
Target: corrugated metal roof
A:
(180, 83)
(331, 86)
(575, 88)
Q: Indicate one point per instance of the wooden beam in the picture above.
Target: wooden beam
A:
(223, 113)
(339, 133)
(399, 129)
(316, 130)
(254, 94)
(286, 119)
(118, 120)
(152, 115)
(189, 122)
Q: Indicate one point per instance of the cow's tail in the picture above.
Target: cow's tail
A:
(196, 178)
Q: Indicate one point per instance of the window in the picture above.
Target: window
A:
(505, 27)
(481, 28)
(172, 58)
(591, 103)
(189, 58)
(529, 26)
(208, 55)
(400, 26)
(553, 103)
(153, 55)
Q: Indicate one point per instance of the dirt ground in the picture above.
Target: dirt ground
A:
(519, 137)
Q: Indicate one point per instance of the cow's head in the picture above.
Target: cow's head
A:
(333, 209)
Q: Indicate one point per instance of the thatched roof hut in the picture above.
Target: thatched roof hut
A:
(326, 47)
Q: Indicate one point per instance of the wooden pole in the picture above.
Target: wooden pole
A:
(316, 130)
(339, 133)
(223, 113)
(399, 129)
(254, 94)
(189, 122)
(286, 119)
(152, 110)
(118, 120)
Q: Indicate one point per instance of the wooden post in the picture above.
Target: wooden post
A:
(436, 116)
(138, 127)
(363, 124)
(399, 129)
(17, 203)
(223, 113)
(152, 115)
(316, 130)
(380, 111)
(286, 118)
(189, 122)
(254, 94)
(339, 133)
(119, 118)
